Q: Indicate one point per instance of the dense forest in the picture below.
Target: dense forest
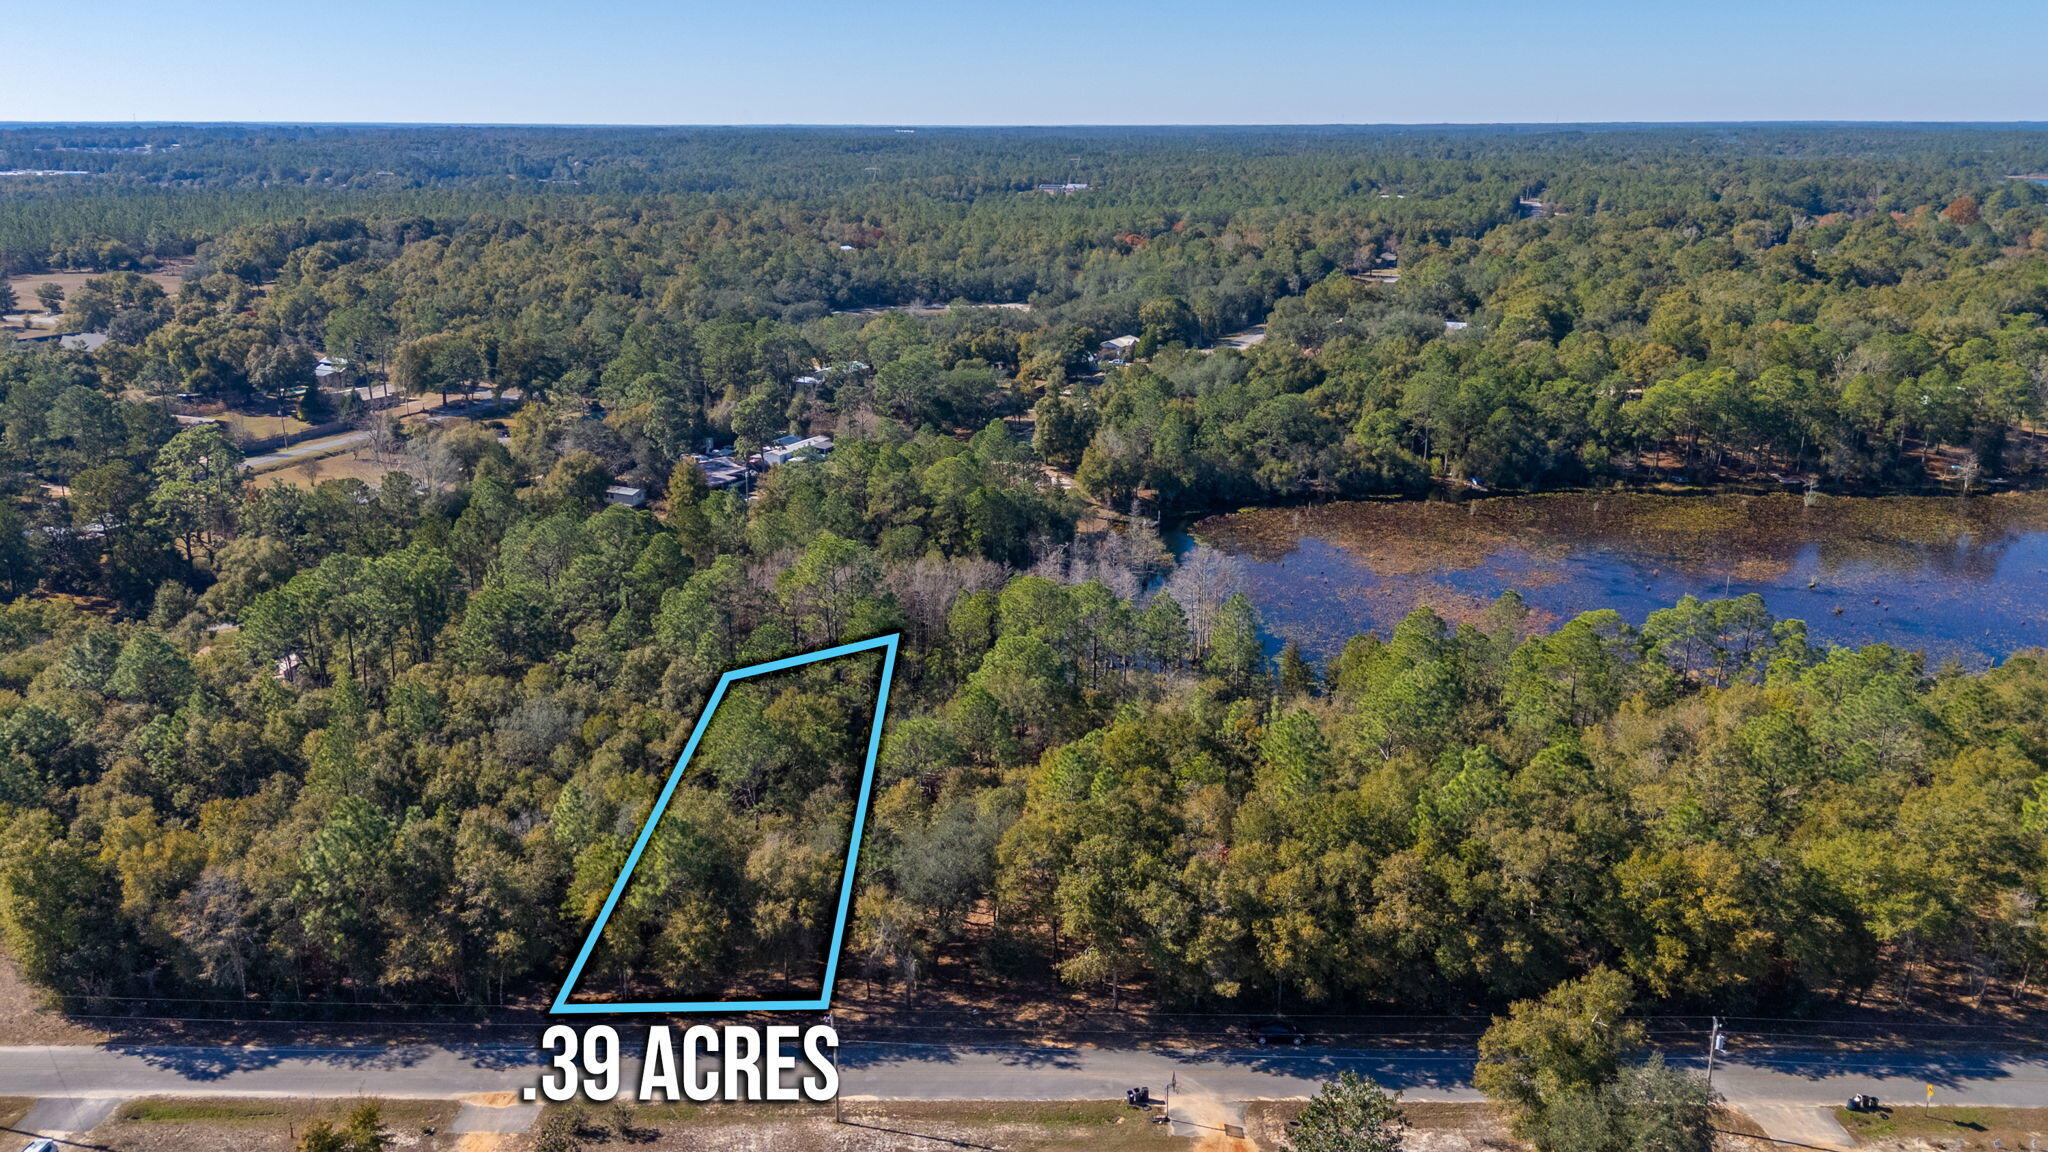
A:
(1711, 302)
(389, 741)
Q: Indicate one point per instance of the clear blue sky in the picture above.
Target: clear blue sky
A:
(1022, 61)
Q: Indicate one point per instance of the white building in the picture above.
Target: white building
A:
(1117, 349)
(793, 448)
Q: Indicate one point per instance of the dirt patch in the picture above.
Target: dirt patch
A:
(1957, 1129)
(1730, 1122)
(1215, 1124)
(12, 1109)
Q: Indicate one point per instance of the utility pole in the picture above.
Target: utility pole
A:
(1716, 1044)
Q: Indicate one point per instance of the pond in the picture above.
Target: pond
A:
(1955, 577)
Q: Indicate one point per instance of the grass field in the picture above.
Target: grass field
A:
(874, 1126)
(278, 1111)
(1960, 1127)
(252, 1124)
(202, 1110)
(246, 426)
(207, 1124)
(170, 276)
(355, 463)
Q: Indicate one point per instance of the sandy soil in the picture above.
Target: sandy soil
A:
(12, 1109)
(1218, 1126)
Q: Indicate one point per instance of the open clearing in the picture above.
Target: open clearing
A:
(353, 464)
(257, 426)
(170, 276)
(1959, 1129)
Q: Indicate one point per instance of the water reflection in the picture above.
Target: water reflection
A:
(1953, 577)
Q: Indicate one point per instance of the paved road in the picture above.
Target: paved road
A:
(61, 1114)
(968, 1072)
(305, 448)
(479, 405)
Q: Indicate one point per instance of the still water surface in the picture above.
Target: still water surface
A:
(1954, 577)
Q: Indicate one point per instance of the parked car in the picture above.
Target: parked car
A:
(1265, 1032)
(43, 1145)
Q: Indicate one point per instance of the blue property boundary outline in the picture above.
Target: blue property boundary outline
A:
(562, 1006)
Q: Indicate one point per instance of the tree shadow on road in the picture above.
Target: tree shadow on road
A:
(214, 1063)
(868, 1055)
